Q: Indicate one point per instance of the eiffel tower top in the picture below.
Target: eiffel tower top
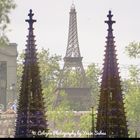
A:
(73, 44)
(30, 20)
(72, 6)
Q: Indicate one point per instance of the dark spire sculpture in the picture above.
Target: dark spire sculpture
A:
(111, 117)
(77, 89)
(31, 119)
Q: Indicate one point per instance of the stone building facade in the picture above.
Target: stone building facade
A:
(8, 67)
(7, 123)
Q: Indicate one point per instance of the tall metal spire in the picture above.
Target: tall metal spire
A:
(73, 78)
(73, 44)
(31, 119)
(73, 59)
(111, 117)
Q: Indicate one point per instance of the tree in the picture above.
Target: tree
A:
(5, 9)
(50, 70)
(61, 118)
(134, 74)
(132, 89)
(132, 99)
(93, 73)
(133, 49)
(86, 122)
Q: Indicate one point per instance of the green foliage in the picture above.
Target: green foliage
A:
(134, 74)
(19, 70)
(132, 103)
(93, 73)
(85, 122)
(133, 50)
(132, 99)
(132, 81)
(49, 72)
(61, 121)
(73, 77)
(61, 118)
(49, 67)
(132, 90)
(5, 9)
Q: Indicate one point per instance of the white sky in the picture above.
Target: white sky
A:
(51, 28)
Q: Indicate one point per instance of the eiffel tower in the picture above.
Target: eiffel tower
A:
(73, 80)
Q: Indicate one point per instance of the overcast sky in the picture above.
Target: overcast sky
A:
(51, 28)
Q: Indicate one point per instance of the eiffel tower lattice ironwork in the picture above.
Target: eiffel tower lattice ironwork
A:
(31, 119)
(73, 79)
(111, 117)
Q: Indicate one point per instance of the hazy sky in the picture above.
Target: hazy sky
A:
(51, 28)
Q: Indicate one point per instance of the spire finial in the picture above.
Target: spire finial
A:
(110, 21)
(30, 20)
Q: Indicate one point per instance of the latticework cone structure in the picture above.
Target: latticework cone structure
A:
(31, 119)
(73, 59)
(73, 80)
(111, 117)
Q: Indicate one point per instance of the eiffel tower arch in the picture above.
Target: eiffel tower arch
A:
(73, 80)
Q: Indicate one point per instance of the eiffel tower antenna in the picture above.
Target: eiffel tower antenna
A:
(73, 3)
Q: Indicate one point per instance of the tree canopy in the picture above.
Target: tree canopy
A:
(6, 6)
(132, 90)
(133, 49)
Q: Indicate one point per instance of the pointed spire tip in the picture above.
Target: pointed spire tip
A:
(30, 10)
(30, 20)
(109, 11)
(110, 21)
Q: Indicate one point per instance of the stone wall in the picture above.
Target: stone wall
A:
(7, 123)
(8, 55)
